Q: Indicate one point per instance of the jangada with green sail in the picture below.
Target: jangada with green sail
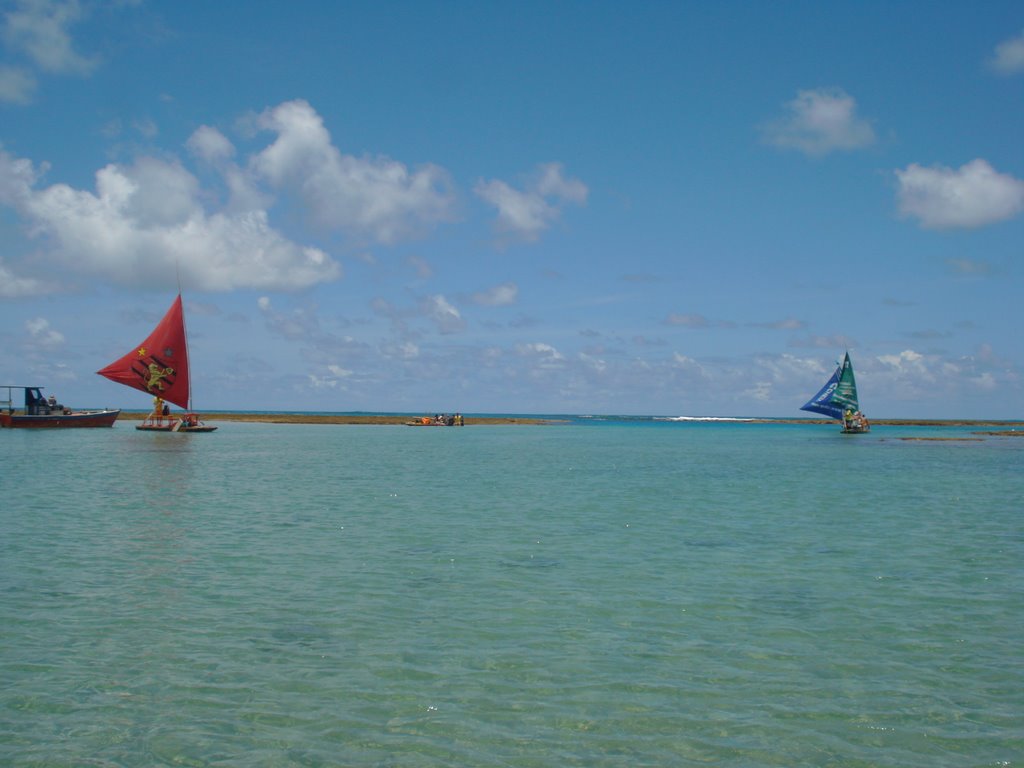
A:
(838, 400)
(159, 367)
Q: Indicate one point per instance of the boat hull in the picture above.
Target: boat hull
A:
(73, 420)
(170, 428)
(173, 424)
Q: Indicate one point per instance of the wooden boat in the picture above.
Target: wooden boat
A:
(159, 367)
(40, 413)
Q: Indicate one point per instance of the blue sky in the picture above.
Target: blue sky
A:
(667, 208)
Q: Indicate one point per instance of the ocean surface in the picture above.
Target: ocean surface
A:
(604, 592)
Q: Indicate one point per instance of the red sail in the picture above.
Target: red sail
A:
(159, 365)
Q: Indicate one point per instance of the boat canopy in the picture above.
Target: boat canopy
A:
(35, 403)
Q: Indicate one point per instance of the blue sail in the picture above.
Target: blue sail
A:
(822, 402)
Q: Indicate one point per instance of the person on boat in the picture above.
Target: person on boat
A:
(52, 401)
(158, 410)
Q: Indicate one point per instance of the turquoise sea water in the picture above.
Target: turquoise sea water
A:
(592, 594)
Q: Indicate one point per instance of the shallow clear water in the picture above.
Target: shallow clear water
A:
(613, 594)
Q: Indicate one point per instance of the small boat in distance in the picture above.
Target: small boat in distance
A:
(159, 367)
(47, 413)
(838, 400)
(439, 420)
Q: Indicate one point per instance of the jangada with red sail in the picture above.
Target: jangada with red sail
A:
(159, 367)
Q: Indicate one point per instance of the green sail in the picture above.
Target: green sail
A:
(846, 391)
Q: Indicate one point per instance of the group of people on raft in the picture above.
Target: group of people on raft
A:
(442, 420)
(855, 421)
(162, 410)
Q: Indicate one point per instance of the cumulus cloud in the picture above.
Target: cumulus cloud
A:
(818, 122)
(1008, 58)
(144, 222)
(39, 30)
(498, 296)
(525, 213)
(972, 196)
(213, 148)
(210, 144)
(17, 176)
(378, 198)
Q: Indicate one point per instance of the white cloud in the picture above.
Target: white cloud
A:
(301, 324)
(985, 382)
(14, 287)
(17, 176)
(551, 183)
(145, 222)
(444, 315)
(338, 371)
(972, 196)
(526, 213)
(498, 296)
(541, 351)
(16, 85)
(820, 121)
(369, 197)
(39, 29)
(1009, 56)
(761, 391)
(408, 351)
(906, 363)
(41, 334)
(323, 382)
(210, 145)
